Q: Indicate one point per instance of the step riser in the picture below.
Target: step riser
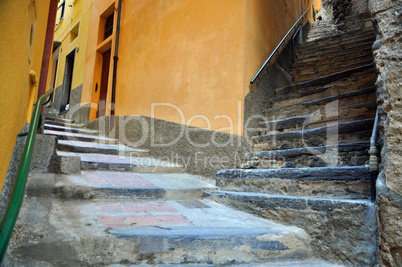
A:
(320, 60)
(328, 65)
(338, 39)
(331, 139)
(323, 189)
(309, 108)
(218, 248)
(76, 192)
(344, 44)
(309, 76)
(315, 159)
(315, 120)
(129, 167)
(336, 49)
(335, 226)
(338, 78)
(325, 91)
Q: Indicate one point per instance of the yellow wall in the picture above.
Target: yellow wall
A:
(79, 12)
(198, 56)
(17, 56)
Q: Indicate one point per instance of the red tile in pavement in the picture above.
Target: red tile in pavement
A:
(113, 221)
(147, 207)
(172, 219)
(142, 220)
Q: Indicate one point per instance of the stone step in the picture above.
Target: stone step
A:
(330, 64)
(334, 134)
(327, 182)
(118, 185)
(342, 230)
(70, 129)
(81, 137)
(319, 55)
(123, 163)
(100, 233)
(298, 263)
(326, 80)
(355, 82)
(350, 154)
(351, 42)
(317, 119)
(66, 124)
(318, 61)
(338, 38)
(91, 147)
(366, 95)
(329, 71)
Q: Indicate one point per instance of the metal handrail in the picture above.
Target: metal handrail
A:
(278, 46)
(13, 208)
(373, 161)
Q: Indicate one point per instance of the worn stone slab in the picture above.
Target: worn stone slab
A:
(51, 232)
(343, 231)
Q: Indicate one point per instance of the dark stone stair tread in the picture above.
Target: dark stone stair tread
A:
(313, 203)
(197, 238)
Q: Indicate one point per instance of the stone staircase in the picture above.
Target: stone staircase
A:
(307, 165)
(115, 205)
(301, 198)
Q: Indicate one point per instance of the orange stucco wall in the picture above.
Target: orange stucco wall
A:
(190, 60)
(21, 49)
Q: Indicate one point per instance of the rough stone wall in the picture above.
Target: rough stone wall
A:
(387, 16)
(200, 151)
(348, 15)
(43, 160)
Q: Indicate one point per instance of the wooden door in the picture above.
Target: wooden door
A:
(104, 83)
